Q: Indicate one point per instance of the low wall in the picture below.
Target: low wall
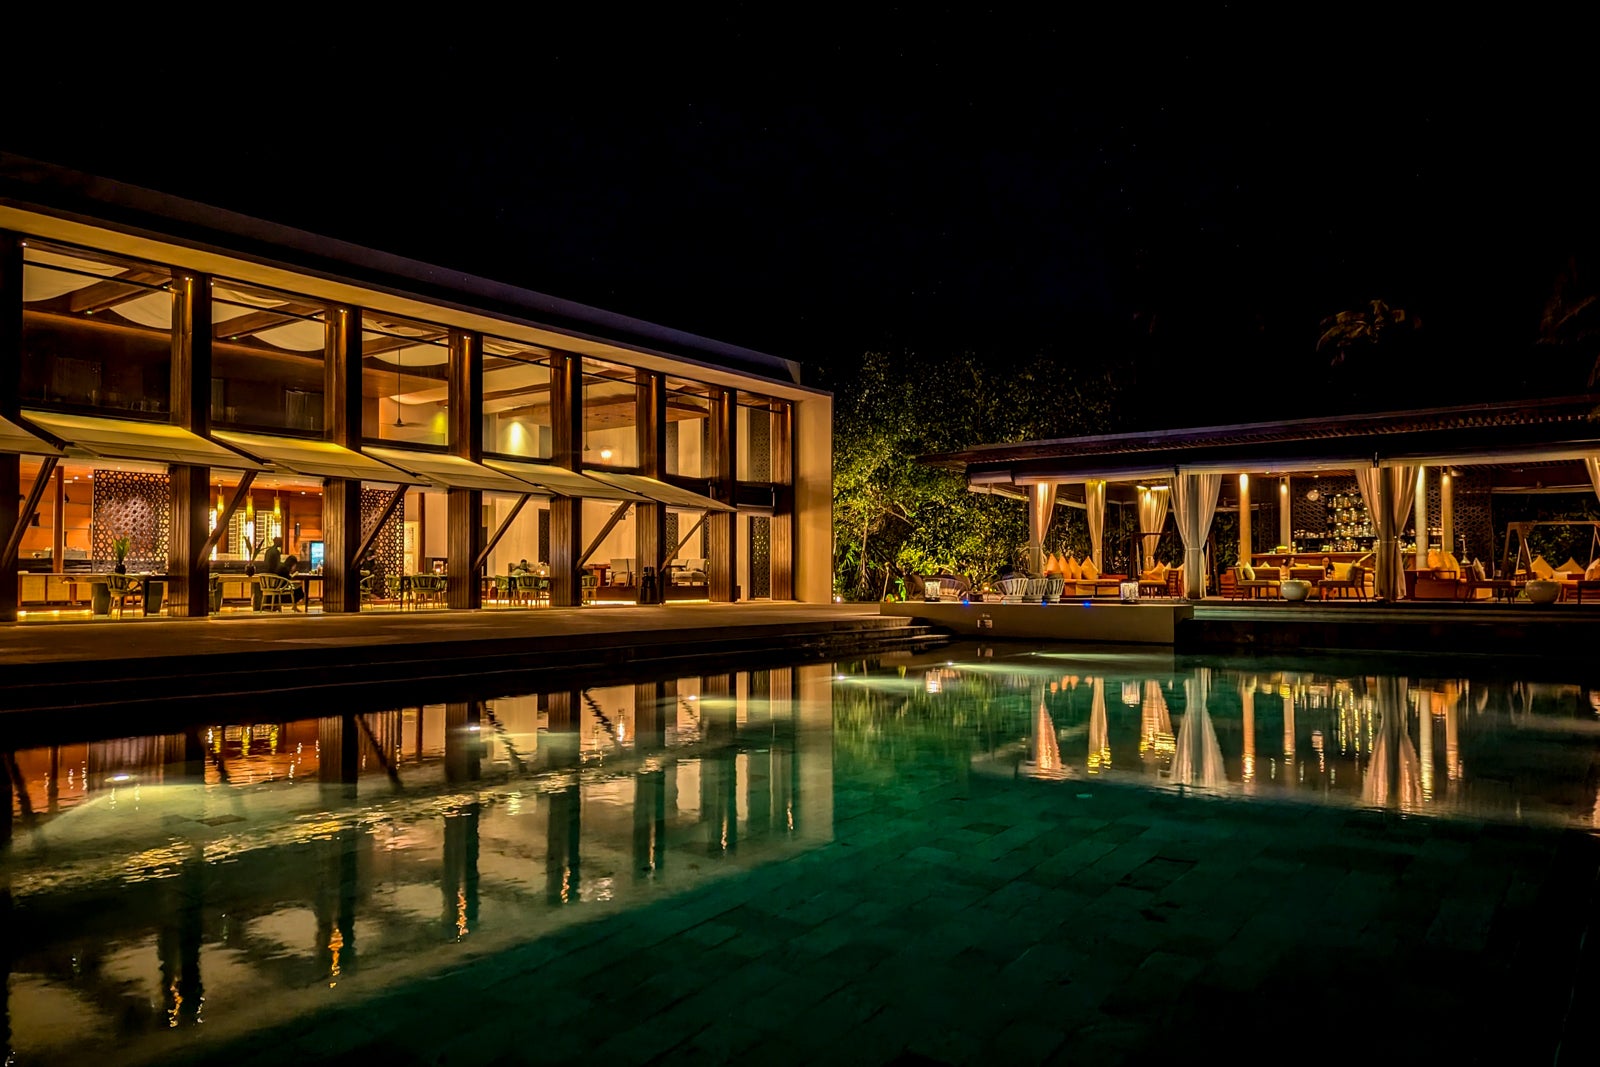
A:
(1098, 621)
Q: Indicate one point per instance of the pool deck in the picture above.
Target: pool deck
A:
(117, 664)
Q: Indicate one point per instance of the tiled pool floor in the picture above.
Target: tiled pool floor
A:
(981, 921)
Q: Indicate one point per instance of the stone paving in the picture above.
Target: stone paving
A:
(958, 919)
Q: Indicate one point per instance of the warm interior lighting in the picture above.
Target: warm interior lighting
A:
(605, 453)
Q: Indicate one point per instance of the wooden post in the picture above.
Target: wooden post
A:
(722, 528)
(464, 525)
(783, 524)
(10, 407)
(1420, 512)
(58, 523)
(341, 497)
(1244, 519)
(188, 569)
(566, 513)
(651, 519)
(1447, 512)
(1285, 512)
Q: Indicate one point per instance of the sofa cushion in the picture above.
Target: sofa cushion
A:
(1087, 570)
(1341, 571)
(1571, 568)
(1591, 573)
(1478, 572)
(1540, 568)
(1247, 573)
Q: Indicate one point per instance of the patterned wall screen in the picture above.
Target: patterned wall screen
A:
(760, 556)
(135, 504)
(759, 447)
(388, 548)
(544, 536)
(672, 532)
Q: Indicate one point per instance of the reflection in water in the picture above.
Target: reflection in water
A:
(191, 887)
(166, 890)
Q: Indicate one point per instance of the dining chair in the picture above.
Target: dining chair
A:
(123, 588)
(276, 591)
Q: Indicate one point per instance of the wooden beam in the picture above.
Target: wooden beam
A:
(239, 493)
(371, 535)
(46, 468)
(610, 524)
(505, 526)
(130, 284)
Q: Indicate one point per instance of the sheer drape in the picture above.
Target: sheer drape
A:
(1394, 774)
(1152, 516)
(1194, 502)
(1042, 507)
(1094, 504)
(1389, 581)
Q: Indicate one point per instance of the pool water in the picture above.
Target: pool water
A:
(817, 862)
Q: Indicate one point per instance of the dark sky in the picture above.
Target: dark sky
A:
(957, 180)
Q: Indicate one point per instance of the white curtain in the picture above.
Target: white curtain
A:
(1152, 516)
(1094, 504)
(1390, 584)
(1197, 757)
(1194, 501)
(1041, 508)
(1155, 721)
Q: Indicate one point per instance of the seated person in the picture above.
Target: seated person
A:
(521, 567)
(288, 568)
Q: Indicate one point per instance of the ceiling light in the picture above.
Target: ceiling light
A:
(605, 453)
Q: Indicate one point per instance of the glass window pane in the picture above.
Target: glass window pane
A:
(516, 399)
(266, 358)
(96, 332)
(688, 429)
(405, 391)
(610, 415)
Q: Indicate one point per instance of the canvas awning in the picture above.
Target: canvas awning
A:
(443, 471)
(661, 492)
(14, 440)
(145, 442)
(563, 482)
(317, 459)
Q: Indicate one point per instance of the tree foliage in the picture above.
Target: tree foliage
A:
(896, 518)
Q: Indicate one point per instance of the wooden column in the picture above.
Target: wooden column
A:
(58, 522)
(651, 418)
(10, 407)
(188, 569)
(1420, 511)
(722, 528)
(783, 473)
(1447, 512)
(464, 533)
(1389, 584)
(566, 513)
(1285, 512)
(1244, 519)
(341, 497)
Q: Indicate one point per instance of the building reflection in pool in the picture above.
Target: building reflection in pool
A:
(238, 875)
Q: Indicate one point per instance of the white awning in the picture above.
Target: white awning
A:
(563, 482)
(444, 471)
(661, 492)
(146, 442)
(14, 440)
(318, 459)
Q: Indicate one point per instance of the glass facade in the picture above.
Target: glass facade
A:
(100, 336)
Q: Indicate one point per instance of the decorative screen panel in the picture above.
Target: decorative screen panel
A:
(135, 504)
(760, 556)
(388, 548)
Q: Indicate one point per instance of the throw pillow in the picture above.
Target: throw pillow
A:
(1088, 571)
(1540, 568)
(1571, 568)
(1435, 560)
(1592, 572)
(1246, 572)
(1070, 571)
(1478, 571)
(1448, 561)
(1341, 572)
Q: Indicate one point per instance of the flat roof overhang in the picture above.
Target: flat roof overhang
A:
(15, 441)
(1560, 428)
(316, 459)
(563, 482)
(663, 493)
(439, 470)
(97, 437)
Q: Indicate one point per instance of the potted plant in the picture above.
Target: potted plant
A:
(119, 549)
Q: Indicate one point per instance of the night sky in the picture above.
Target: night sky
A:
(1186, 211)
